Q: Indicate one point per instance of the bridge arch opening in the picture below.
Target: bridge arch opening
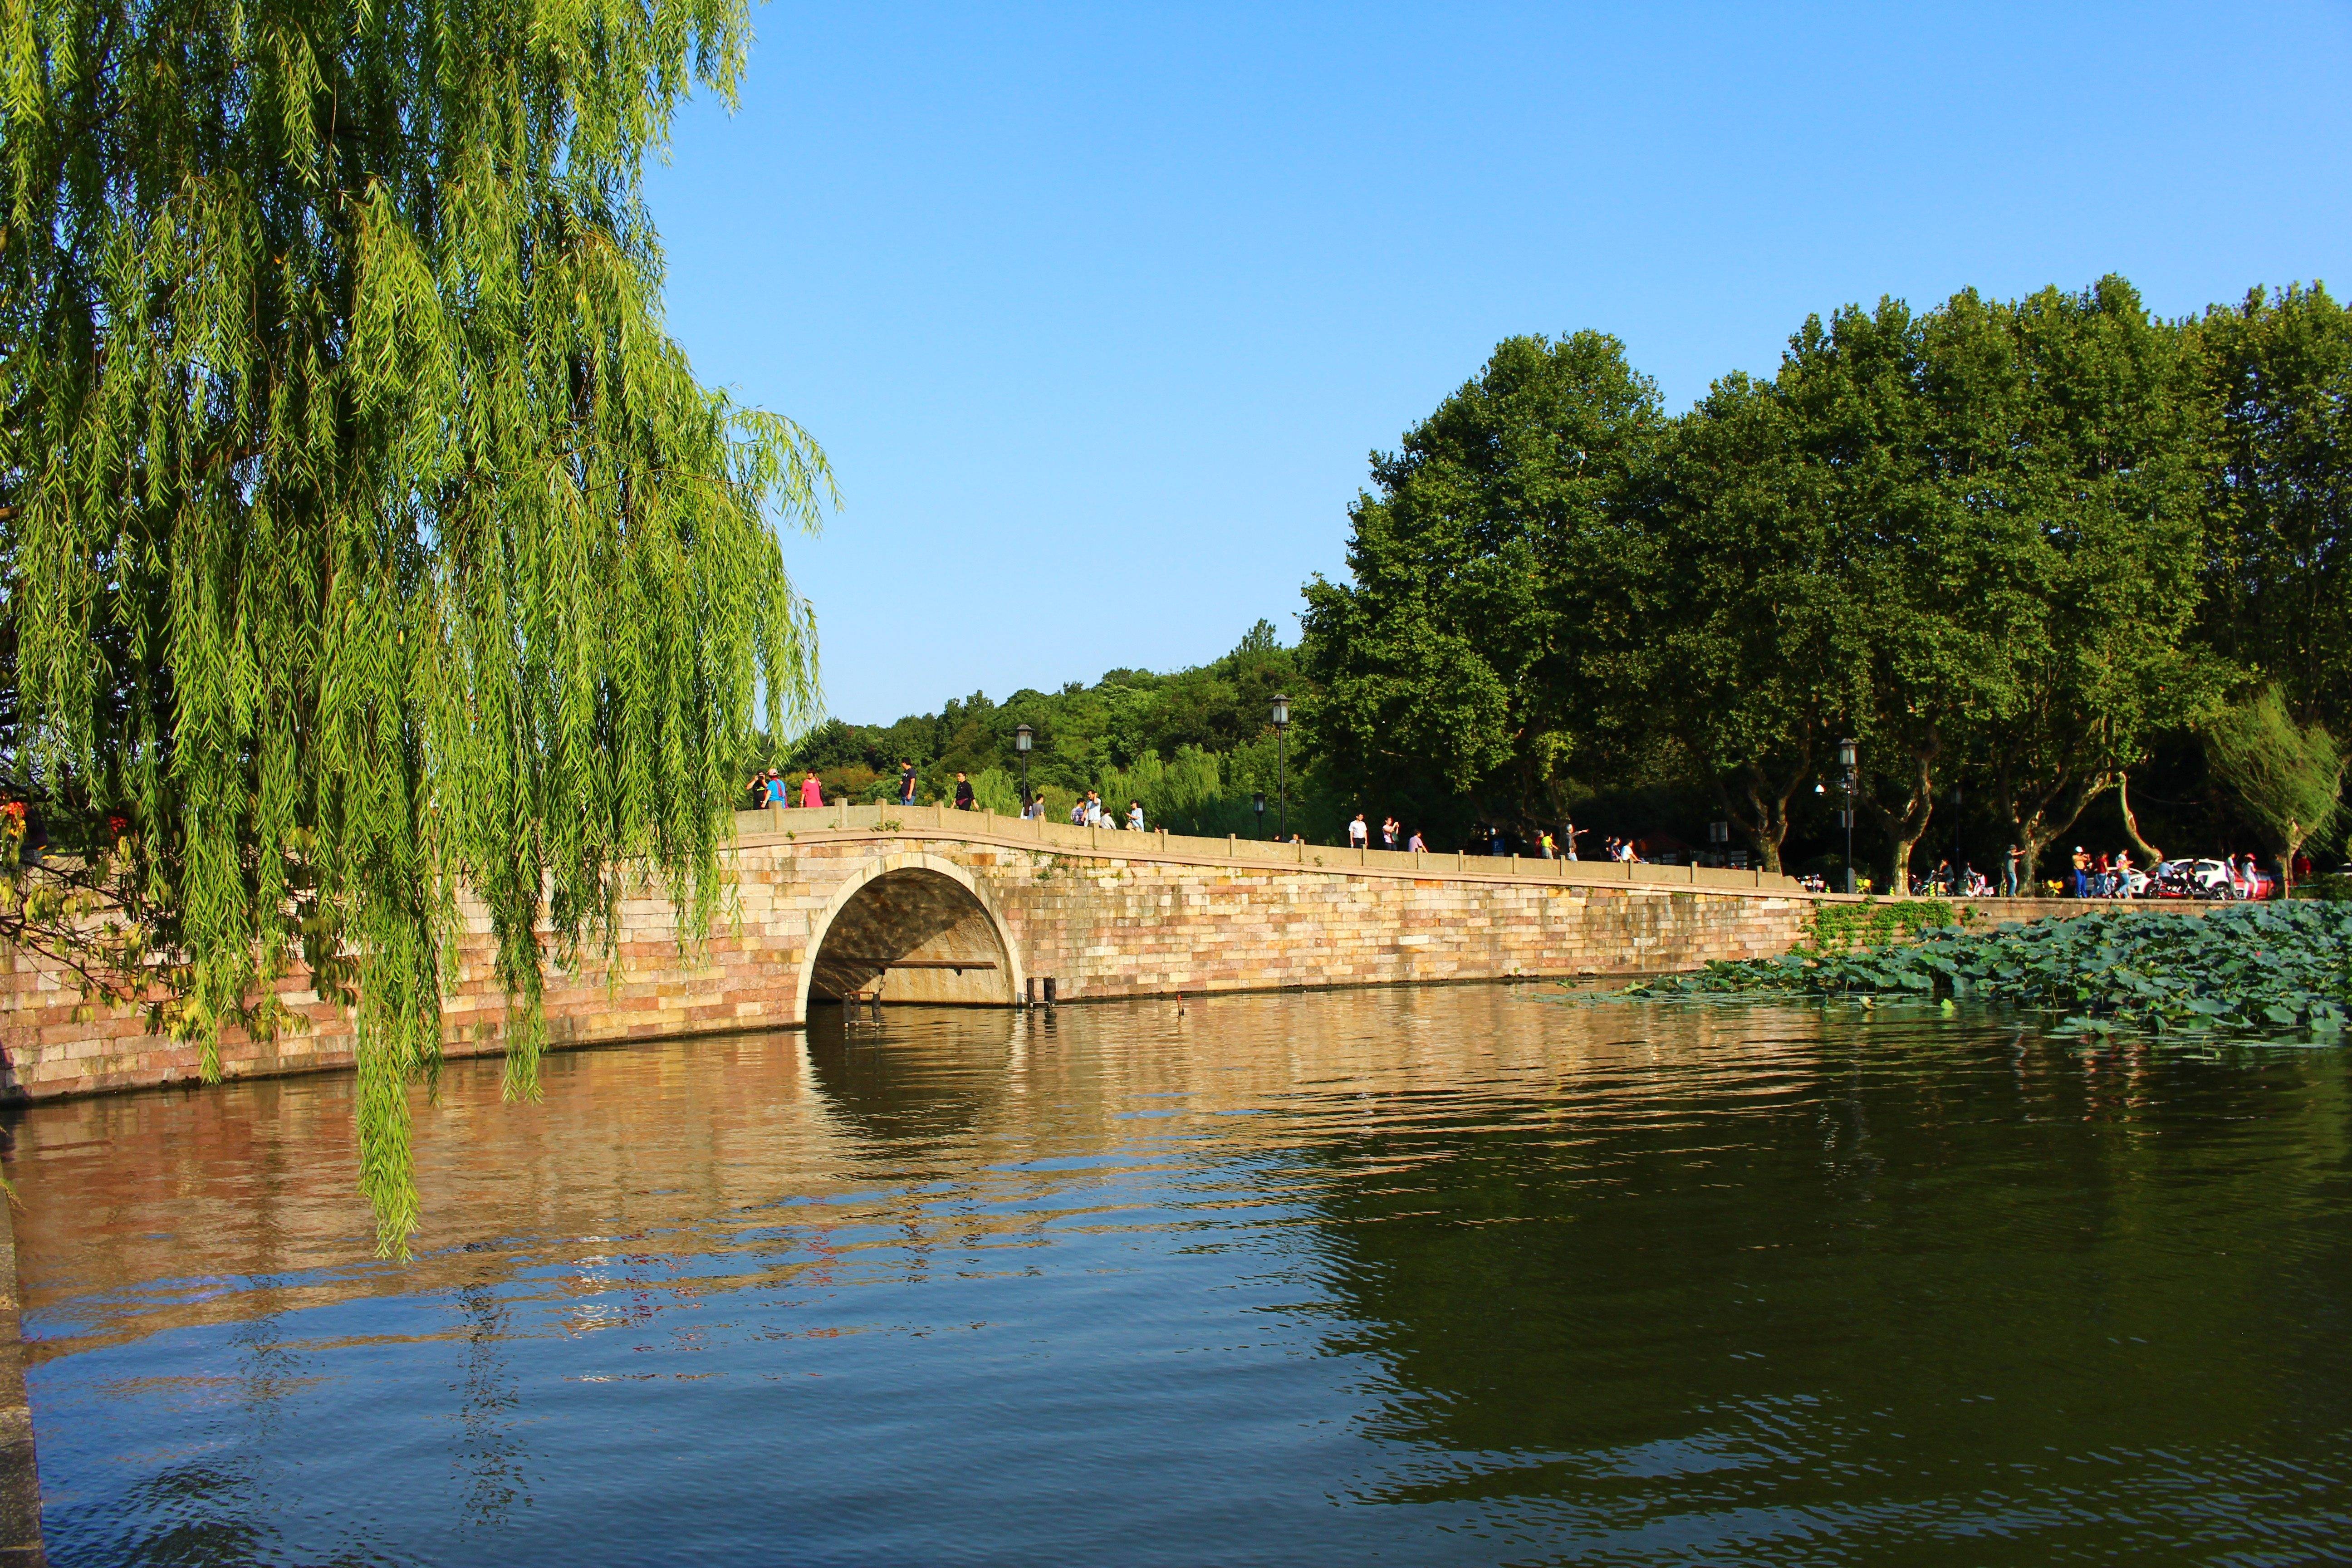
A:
(918, 929)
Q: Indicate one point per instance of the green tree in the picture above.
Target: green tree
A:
(993, 789)
(1083, 734)
(1186, 793)
(2067, 439)
(1930, 665)
(2278, 369)
(365, 535)
(1974, 542)
(1490, 586)
(1764, 655)
(2288, 776)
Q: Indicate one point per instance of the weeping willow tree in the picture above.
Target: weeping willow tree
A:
(366, 538)
(2288, 777)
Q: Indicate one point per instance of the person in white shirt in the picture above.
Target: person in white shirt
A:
(1135, 817)
(1358, 832)
(1414, 843)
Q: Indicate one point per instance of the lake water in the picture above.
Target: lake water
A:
(1446, 1276)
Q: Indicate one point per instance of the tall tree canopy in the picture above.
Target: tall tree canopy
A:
(2077, 441)
(1764, 647)
(365, 535)
(1491, 571)
(2278, 371)
(2006, 545)
(1920, 658)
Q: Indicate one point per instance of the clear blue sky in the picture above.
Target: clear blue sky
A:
(1098, 311)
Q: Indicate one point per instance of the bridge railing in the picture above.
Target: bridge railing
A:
(779, 821)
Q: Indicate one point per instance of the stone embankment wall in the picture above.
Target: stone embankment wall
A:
(1985, 913)
(1103, 913)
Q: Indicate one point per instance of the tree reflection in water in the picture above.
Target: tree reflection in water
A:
(1444, 1275)
(488, 1451)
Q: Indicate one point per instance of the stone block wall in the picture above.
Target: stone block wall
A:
(1982, 914)
(1114, 928)
(1105, 915)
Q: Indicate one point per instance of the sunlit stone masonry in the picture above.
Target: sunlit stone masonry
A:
(927, 905)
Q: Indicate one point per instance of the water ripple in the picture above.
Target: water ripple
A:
(1445, 1276)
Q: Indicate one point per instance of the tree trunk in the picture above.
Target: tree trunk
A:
(1898, 863)
(2039, 821)
(2295, 839)
(2131, 823)
(1768, 835)
(1906, 827)
(1766, 821)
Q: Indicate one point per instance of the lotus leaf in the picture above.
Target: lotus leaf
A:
(2276, 970)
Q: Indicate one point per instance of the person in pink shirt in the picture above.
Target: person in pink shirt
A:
(812, 792)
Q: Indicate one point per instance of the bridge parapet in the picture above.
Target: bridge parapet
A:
(789, 823)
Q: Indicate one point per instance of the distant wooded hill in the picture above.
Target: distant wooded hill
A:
(1194, 746)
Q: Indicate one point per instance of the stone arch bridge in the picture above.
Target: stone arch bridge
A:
(928, 905)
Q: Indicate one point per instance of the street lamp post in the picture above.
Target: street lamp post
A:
(1022, 738)
(1845, 756)
(1281, 779)
(1258, 800)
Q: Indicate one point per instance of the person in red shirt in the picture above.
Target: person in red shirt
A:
(812, 792)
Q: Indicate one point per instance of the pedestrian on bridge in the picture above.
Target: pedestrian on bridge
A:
(963, 801)
(906, 783)
(1357, 834)
(812, 792)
